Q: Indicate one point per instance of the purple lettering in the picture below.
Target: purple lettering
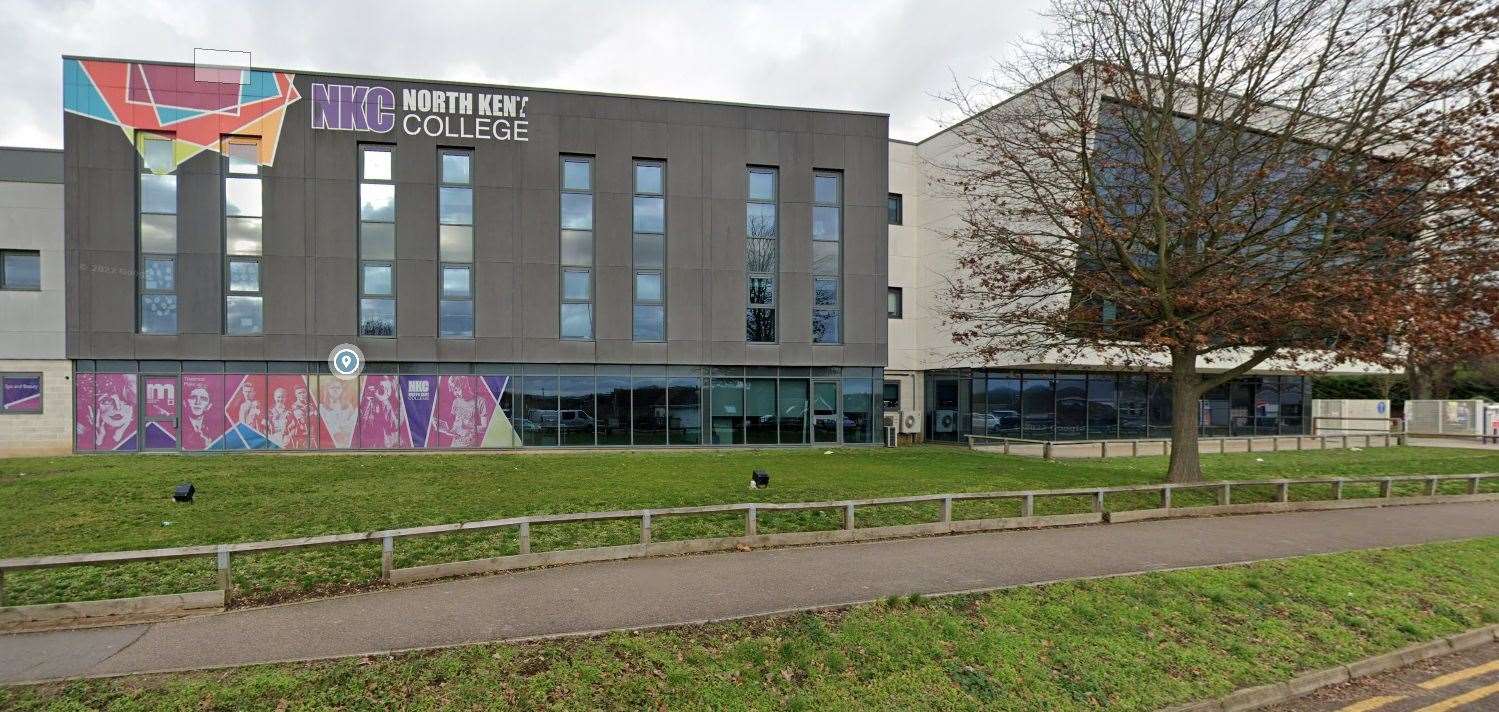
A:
(380, 109)
(321, 107)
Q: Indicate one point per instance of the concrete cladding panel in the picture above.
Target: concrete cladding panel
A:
(516, 137)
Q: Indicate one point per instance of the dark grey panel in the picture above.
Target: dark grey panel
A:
(31, 165)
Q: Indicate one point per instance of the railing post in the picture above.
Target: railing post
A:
(1345, 441)
(1298, 442)
(1249, 444)
(1134, 448)
(1384, 488)
(750, 524)
(1224, 495)
(1431, 486)
(947, 509)
(1472, 489)
(1275, 443)
(226, 580)
(1283, 492)
(1007, 446)
(1098, 502)
(1321, 442)
(1027, 505)
(1165, 496)
(1046, 450)
(524, 537)
(1337, 489)
(2, 587)
(387, 556)
(645, 528)
(848, 516)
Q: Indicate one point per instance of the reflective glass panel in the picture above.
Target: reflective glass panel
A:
(242, 196)
(650, 214)
(792, 410)
(455, 168)
(455, 318)
(649, 408)
(455, 206)
(825, 189)
(650, 322)
(760, 256)
(648, 287)
(539, 415)
(727, 425)
(575, 175)
(157, 154)
(243, 315)
(575, 414)
(825, 326)
(158, 313)
(761, 425)
(377, 202)
(377, 279)
(455, 282)
(377, 317)
(455, 243)
(376, 164)
(650, 251)
(244, 276)
(158, 194)
(377, 241)
(762, 291)
(760, 220)
(1039, 402)
(157, 274)
(825, 292)
(159, 233)
(825, 258)
(577, 321)
(825, 223)
(762, 185)
(244, 157)
(760, 324)
(22, 271)
(577, 211)
(648, 178)
(685, 416)
(576, 285)
(612, 422)
(577, 248)
(243, 236)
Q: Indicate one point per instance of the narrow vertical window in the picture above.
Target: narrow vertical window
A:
(761, 252)
(455, 248)
(896, 208)
(244, 308)
(577, 247)
(377, 242)
(157, 237)
(650, 251)
(895, 303)
(827, 257)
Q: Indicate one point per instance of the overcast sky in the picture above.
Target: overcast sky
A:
(891, 56)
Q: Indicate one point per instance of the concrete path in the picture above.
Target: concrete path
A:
(666, 591)
(1463, 443)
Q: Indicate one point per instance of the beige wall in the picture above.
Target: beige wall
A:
(51, 431)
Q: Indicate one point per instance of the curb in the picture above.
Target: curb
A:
(1252, 698)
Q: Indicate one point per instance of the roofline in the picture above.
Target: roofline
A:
(578, 92)
(1000, 103)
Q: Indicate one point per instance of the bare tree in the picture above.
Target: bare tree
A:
(1211, 185)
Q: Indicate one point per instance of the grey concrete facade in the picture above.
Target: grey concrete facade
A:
(310, 262)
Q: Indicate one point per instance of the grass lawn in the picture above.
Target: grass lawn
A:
(103, 503)
(1136, 643)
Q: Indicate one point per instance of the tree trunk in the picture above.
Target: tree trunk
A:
(1186, 465)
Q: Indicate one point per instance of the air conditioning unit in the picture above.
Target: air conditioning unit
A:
(892, 420)
(945, 421)
(910, 422)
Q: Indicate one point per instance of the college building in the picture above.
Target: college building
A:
(517, 267)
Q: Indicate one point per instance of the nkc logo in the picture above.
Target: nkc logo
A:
(346, 107)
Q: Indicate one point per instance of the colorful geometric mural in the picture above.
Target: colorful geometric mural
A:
(196, 106)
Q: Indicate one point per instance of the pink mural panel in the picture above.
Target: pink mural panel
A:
(115, 421)
(203, 421)
(381, 425)
(338, 412)
(245, 412)
(462, 414)
(291, 417)
(83, 412)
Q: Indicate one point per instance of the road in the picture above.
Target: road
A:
(644, 593)
(1467, 681)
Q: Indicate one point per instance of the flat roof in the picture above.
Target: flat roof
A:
(22, 164)
(500, 86)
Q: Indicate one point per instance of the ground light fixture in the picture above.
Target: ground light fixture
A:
(183, 492)
(760, 478)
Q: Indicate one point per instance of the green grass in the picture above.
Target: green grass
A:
(102, 503)
(1136, 643)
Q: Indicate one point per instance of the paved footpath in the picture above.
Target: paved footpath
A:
(690, 589)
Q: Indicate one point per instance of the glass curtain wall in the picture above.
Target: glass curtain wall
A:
(1097, 406)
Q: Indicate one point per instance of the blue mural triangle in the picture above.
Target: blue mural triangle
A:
(81, 96)
(167, 114)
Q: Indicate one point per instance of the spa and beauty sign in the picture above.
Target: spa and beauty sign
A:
(433, 112)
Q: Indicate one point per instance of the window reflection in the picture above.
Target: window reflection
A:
(648, 405)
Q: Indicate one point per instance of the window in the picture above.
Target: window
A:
(377, 242)
(650, 251)
(20, 393)
(890, 397)
(20, 269)
(760, 233)
(827, 257)
(455, 244)
(157, 236)
(577, 247)
(897, 210)
(895, 303)
(244, 240)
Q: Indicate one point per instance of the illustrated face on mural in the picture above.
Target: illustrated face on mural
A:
(198, 402)
(247, 390)
(279, 397)
(335, 391)
(302, 397)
